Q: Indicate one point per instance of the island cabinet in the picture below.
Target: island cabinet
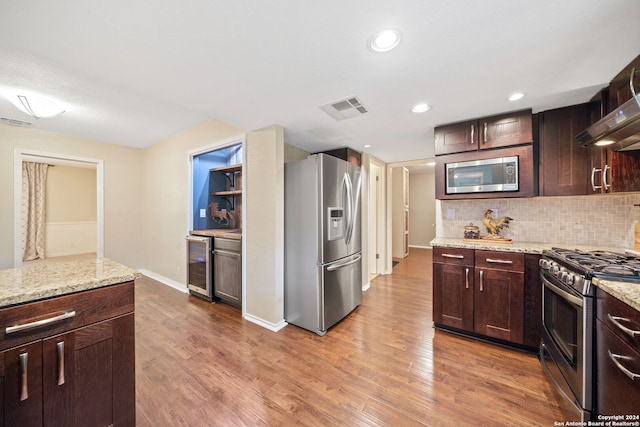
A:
(504, 130)
(69, 360)
(617, 357)
(483, 293)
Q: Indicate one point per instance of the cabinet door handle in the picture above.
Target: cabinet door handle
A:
(466, 277)
(604, 177)
(499, 261)
(616, 321)
(60, 353)
(485, 132)
(37, 324)
(473, 133)
(593, 179)
(615, 357)
(453, 256)
(481, 281)
(24, 387)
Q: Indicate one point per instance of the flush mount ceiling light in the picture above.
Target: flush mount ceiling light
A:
(36, 106)
(421, 108)
(384, 41)
(516, 96)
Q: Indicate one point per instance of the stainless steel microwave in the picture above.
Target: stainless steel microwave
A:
(482, 176)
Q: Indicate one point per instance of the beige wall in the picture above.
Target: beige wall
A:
(122, 188)
(71, 211)
(422, 215)
(71, 194)
(264, 226)
(164, 197)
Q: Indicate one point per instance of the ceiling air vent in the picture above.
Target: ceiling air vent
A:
(344, 108)
(14, 122)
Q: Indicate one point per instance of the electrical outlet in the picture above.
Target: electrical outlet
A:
(451, 213)
(177, 271)
(495, 214)
(203, 213)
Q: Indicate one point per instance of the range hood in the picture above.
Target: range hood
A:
(621, 126)
(620, 129)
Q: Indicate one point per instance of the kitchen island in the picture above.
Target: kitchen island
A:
(67, 353)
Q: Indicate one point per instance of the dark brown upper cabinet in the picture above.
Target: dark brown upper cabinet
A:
(564, 165)
(514, 128)
(620, 87)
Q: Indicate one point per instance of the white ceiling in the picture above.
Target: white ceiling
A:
(136, 72)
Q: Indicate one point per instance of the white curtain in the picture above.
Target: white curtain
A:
(34, 180)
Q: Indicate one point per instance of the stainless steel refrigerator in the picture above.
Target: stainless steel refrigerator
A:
(323, 266)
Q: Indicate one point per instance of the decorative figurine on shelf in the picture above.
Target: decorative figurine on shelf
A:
(494, 227)
(221, 217)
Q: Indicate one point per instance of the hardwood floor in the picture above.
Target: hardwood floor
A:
(201, 364)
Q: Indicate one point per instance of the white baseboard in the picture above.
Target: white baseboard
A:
(366, 286)
(165, 280)
(275, 327)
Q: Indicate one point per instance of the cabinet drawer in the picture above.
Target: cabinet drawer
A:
(617, 393)
(621, 318)
(89, 306)
(497, 260)
(456, 256)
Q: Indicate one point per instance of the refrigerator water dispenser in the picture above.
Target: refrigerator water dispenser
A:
(336, 223)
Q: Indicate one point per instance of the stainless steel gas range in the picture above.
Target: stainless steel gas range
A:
(567, 344)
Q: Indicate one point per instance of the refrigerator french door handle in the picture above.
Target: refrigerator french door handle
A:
(349, 206)
(344, 264)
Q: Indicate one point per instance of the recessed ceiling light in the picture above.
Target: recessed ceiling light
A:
(430, 164)
(384, 41)
(516, 96)
(367, 145)
(421, 108)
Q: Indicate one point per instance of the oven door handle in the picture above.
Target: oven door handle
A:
(561, 292)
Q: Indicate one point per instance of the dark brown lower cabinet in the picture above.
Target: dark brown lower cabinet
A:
(84, 376)
(483, 293)
(453, 287)
(617, 357)
(499, 298)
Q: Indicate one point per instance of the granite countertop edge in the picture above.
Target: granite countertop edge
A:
(627, 292)
(32, 283)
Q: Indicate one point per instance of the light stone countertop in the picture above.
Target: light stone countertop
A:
(31, 283)
(628, 292)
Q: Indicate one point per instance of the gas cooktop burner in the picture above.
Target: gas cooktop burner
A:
(598, 263)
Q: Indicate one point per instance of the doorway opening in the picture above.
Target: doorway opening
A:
(74, 227)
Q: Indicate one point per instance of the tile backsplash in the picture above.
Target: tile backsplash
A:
(606, 220)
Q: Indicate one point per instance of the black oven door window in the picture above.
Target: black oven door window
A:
(562, 320)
